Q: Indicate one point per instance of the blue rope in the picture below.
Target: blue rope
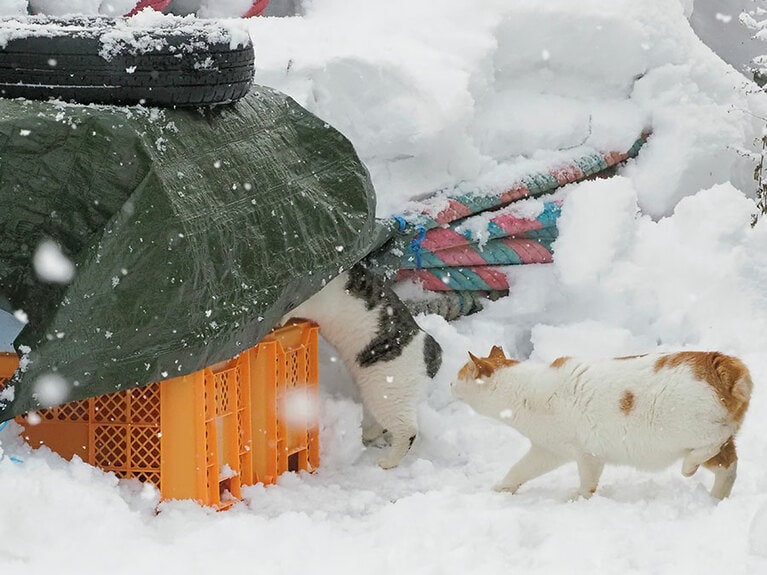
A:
(13, 458)
(400, 222)
(415, 246)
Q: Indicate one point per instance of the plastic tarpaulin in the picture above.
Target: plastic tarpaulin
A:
(192, 232)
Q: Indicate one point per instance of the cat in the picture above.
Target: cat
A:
(383, 348)
(644, 411)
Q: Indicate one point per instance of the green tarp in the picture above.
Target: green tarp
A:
(192, 232)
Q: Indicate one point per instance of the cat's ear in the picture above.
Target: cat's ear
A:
(484, 367)
(497, 352)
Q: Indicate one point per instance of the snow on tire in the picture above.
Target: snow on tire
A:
(159, 61)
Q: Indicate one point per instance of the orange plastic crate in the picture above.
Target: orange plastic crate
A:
(9, 363)
(202, 436)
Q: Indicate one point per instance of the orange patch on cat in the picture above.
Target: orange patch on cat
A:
(499, 359)
(486, 366)
(466, 371)
(559, 362)
(726, 456)
(726, 375)
(627, 402)
(631, 356)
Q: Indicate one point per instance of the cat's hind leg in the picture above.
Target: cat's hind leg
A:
(402, 438)
(536, 462)
(696, 457)
(393, 404)
(724, 465)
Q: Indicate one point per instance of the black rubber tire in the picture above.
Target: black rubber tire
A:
(188, 65)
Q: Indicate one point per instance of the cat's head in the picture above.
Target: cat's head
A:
(476, 380)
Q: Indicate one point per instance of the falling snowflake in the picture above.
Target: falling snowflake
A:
(51, 265)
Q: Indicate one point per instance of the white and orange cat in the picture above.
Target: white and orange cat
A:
(643, 411)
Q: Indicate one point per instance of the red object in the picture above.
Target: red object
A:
(433, 280)
(256, 9)
(159, 5)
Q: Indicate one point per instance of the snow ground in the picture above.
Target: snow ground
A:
(662, 257)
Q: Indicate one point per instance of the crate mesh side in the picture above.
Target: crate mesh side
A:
(305, 376)
(243, 404)
(75, 411)
(292, 375)
(126, 433)
(145, 405)
(111, 408)
(145, 449)
(148, 477)
(208, 440)
(111, 447)
(221, 391)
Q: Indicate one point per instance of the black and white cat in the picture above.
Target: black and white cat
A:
(387, 354)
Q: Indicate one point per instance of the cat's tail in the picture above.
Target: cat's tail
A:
(733, 384)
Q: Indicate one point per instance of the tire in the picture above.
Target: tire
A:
(104, 61)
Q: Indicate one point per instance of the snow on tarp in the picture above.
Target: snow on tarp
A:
(192, 232)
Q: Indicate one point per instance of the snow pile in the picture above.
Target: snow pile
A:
(461, 100)
(688, 280)
(661, 257)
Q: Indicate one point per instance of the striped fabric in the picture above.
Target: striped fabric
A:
(460, 242)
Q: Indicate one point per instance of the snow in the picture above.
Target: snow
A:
(51, 390)
(717, 22)
(13, 7)
(299, 409)
(56, 8)
(469, 96)
(51, 265)
(448, 95)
